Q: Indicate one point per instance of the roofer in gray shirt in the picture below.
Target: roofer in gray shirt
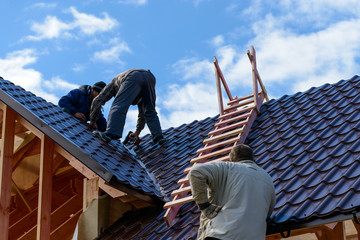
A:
(235, 197)
(132, 87)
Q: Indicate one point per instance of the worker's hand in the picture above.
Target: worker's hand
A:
(134, 135)
(93, 125)
(80, 116)
(211, 211)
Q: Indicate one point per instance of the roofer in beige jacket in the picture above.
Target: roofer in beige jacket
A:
(235, 197)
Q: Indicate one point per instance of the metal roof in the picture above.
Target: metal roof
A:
(309, 143)
(112, 162)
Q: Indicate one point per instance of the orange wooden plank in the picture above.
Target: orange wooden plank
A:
(6, 169)
(210, 155)
(222, 136)
(241, 104)
(233, 119)
(181, 190)
(224, 159)
(23, 225)
(239, 111)
(228, 127)
(236, 100)
(66, 230)
(178, 202)
(45, 188)
(219, 144)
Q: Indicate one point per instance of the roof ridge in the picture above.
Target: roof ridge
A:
(143, 166)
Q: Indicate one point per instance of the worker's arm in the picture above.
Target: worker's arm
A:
(101, 123)
(201, 176)
(141, 118)
(68, 101)
(105, 95)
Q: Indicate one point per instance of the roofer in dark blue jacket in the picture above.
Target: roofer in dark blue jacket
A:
(78, 102)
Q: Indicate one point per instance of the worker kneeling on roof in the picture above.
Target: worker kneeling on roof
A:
(235, 197)
(78, 102)
(132, 87)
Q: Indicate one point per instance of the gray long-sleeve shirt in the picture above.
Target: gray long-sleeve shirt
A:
(109, 91)
(244, 190)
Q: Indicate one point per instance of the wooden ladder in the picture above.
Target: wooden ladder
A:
(233, 126)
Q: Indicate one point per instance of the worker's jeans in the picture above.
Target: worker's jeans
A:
(137, 83)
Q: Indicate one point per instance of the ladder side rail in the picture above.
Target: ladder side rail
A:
(219, 72)
(258, 76)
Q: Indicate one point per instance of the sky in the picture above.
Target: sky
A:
(52, 47)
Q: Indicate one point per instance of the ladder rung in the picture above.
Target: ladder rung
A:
(239, 111)
(245, 115)
(178, 202)
(183, 180)
(181, 190)
(240, 99)
(226, 158)
(228, 127)
(231, 140)
(239, 105)
(212, 154)
(221, 136)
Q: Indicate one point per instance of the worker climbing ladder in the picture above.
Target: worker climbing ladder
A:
(233, 126)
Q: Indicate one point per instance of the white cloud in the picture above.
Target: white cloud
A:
(192, 68)
(50, 28)
(88, 24)
(217, 41)
(318, 55)
(14, 68)
(189, 102)
(135, 2)
(56, 83)
(113, 53)
(42, 5)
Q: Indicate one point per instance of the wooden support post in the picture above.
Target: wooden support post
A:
(332, 231)
(255, 83)
(6, 169)
(91, 191)
(45, 188)
(357, 227)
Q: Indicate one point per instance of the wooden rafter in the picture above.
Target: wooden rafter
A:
(5, 169)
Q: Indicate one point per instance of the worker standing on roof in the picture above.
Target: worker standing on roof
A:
(235, 197)
(78, 102)
(132, 87)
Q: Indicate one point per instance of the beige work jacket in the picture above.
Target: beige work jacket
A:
(244, 190)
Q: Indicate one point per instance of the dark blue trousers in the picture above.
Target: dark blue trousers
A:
(137, 84)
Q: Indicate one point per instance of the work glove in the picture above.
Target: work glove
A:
(211, 211)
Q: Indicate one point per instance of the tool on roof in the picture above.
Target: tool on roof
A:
(135, 140)
(233, 127)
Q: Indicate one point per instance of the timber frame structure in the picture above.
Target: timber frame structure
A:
(47, 182)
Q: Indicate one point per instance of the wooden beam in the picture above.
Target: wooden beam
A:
(6, 169)
(45, 188)
(29, 126)
(23, 225)
(85, 171)
(91, 191)
(66, 230)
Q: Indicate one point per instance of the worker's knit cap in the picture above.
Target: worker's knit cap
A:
(99, 86)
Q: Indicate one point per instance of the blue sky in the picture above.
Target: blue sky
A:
(52, 47)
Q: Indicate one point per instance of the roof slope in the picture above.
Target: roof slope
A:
(112, 163)
(309, 142)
